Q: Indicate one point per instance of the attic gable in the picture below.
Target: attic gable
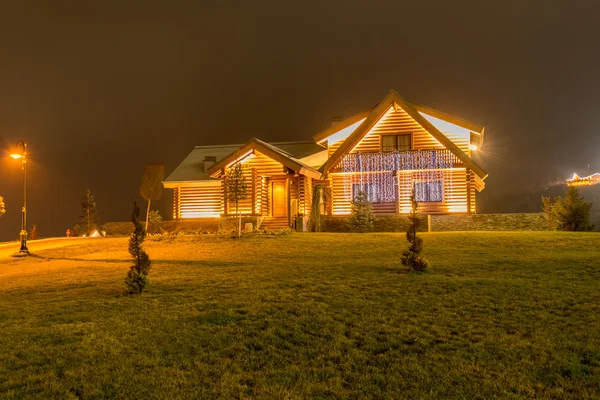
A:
(394, 100)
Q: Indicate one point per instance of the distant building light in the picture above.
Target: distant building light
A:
(577, 180)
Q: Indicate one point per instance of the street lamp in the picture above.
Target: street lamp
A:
(21, 153)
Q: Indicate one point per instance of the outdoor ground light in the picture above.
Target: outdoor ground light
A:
(21, 153)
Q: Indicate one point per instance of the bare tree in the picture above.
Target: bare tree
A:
(89, 215)
(237, 189)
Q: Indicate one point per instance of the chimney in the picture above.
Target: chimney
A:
(208, 162)
(335, 121)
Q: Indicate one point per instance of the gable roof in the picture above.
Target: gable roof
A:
(271, 151)
(393, 98)
(447, 117)
(192, 167)
(319, 137)
(475, 128)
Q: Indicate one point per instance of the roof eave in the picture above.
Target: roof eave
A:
(320, 137)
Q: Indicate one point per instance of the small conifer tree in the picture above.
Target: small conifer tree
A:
(237, 188)
(361, 214)
(572, 213)
(412, 258)
(89, 214)
(137, 277)
(549, 214)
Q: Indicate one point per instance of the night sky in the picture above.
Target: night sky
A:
(99, 91)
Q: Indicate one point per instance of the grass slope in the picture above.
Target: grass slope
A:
(500, 315)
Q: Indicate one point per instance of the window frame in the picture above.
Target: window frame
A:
(441, 180)
(412, 144)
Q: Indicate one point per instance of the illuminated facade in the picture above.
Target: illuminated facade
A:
(577, 180)
(389, 151)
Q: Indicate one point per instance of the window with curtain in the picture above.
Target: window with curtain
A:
(429, 192)
(391, 143)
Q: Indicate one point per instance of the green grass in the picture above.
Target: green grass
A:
(499, 315)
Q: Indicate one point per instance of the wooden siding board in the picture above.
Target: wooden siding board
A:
(199, 202)
(455, 193)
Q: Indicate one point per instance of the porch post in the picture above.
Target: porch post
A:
(289, 199)
(225, 205)
(253, 190)
(468, 175)
(176, 203)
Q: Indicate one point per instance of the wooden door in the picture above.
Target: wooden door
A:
(279, 199)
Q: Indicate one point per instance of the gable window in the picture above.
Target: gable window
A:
(429, 192)
(371, 189)
(396, 142)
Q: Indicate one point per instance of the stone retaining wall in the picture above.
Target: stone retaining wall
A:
(488, 222)
(450, 222)
(393, 223)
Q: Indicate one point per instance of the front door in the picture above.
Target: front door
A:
(279, 199)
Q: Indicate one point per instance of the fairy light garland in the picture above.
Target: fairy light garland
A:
(391, 173)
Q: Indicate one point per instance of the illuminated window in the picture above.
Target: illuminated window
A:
(371, 189)
(396, 142)
(429, 192)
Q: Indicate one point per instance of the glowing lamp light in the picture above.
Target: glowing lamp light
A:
(16, 156)
(473, 147)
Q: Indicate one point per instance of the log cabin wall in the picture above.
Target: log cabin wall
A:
(396, 122)
(454, 197)
(265, 209)
(258, 168)
(199, 201)
(305, 194)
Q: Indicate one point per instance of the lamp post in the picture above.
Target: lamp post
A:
(21, 153)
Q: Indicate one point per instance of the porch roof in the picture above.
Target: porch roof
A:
(192, 169)
(270, 150)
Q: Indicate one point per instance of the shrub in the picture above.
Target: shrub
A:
(154, 217)
(548, 214)
(412, 258)
(137, 277)
(570, 213)
(33, 234)
(361, 214)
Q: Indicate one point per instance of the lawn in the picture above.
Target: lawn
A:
(499, 315)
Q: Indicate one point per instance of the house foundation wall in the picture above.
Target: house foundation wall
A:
(449, 223)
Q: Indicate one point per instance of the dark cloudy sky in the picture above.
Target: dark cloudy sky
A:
(100, 90)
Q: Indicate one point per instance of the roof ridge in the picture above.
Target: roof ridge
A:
(295, 142)
(213, 146)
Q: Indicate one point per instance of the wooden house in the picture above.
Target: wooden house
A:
(389, 151)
